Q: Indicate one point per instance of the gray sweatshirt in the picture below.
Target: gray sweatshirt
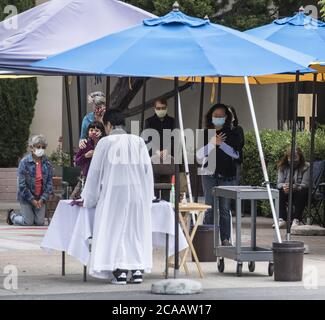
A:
(301, 177)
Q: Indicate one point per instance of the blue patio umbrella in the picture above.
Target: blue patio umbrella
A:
(300, 32)
(307, 35)
(178, 45)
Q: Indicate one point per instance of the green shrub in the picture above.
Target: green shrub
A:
(274, 145)
(17, 100)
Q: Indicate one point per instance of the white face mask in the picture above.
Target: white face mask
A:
(39, 153)
(161, 113)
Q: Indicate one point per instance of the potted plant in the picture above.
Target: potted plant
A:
(59, 159)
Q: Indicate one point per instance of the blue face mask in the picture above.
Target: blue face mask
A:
(218, 122)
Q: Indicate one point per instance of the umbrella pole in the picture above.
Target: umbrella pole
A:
(67, 93)
(200, 127)
(177, 188)
(219, 89)
(312, 149)
(79, 102)
(187, 170)
(293, 148)
(108, 91)
(261, 153)
(144, 94)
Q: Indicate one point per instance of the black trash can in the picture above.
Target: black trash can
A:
(203, 243)
(288, 260)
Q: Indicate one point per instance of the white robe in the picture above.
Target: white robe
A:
(120, 185)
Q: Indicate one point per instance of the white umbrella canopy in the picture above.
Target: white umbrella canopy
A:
(60, 25)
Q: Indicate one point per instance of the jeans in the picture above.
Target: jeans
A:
(209, 182)
(29, 215)
(299, 201)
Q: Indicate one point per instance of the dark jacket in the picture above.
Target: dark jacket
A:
(81, 160)
(159, 125)
(225, 165)
(239, 132)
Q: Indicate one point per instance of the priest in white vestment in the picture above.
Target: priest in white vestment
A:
(120, 185)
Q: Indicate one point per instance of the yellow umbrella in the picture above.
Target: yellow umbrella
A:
(7, 76)
(267, 79)
(320, 67)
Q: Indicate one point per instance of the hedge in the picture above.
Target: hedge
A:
(17, 100)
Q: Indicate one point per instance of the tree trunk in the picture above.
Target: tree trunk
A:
(124, 92)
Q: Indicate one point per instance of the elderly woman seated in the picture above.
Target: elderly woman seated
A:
(34, 185)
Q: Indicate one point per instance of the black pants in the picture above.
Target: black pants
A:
(299, 201)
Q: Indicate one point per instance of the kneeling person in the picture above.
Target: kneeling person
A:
(34, 185)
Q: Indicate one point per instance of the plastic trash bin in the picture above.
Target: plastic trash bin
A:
(288, 260)
(203, 243)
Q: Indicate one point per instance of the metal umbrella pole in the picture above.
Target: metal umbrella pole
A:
(312, 148)
(261, 153)
(177, 188)
(187, 170)
(200, 125)
(79, 103)
(67, 93)
(108, 91)
(144, 94)
(219, 89)
(293, 153)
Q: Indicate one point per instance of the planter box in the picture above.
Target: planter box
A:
(8, 184)
(57, 170)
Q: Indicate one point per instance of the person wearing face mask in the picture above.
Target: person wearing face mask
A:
(120, 185)
(218, 156)
(34, 185)
(83, 157)
(98, 102)
(301, 180)
(160, 122)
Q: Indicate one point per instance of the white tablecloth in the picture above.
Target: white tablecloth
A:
(72, 226)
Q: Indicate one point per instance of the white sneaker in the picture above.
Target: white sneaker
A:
(295, 223)
(282, 224)
(119, 279)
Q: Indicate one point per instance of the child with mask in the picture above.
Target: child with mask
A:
(218, 158)
(34, 185)
(95, 132)
(83, 157)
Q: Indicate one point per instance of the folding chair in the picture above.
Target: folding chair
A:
(317, 198)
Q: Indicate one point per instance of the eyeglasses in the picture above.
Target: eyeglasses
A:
(39, 147)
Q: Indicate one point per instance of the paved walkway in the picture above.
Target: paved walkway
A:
(39, 273)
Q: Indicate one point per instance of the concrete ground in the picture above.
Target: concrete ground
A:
(39, 273)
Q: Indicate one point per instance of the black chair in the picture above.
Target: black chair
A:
(70, 178)
(318, 193)
(164, 172)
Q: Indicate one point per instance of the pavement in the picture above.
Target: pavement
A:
(39, 273)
